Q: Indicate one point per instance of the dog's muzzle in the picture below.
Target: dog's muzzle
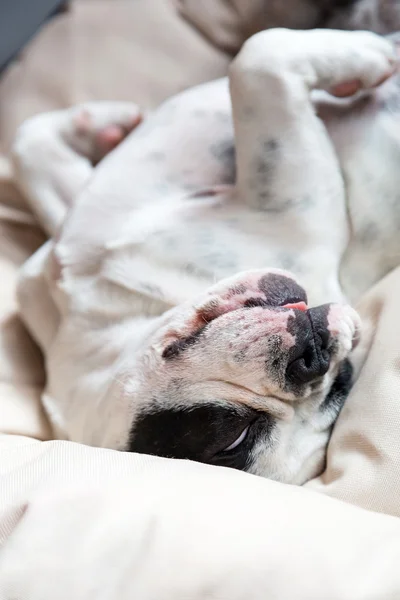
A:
(310, 357)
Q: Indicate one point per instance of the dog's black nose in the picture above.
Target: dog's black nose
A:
(309, 358)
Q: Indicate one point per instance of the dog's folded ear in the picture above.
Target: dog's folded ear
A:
(381, 16)
(228, 23)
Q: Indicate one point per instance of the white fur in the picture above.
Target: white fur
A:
(160, 223)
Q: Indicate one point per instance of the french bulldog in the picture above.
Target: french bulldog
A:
(195, 298)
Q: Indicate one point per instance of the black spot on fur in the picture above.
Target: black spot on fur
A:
(276, 357)
(271, 145)
(179, 346)
(340, 388)
(254, 302)
(264, 163)
(247, 113)
(279, 290)
(201, 433)
(240, 356)
(263, 167)
(237, 290)
(225, 153)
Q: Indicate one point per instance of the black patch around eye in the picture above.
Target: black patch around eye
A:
(340, 388)
(280, 290)
(224, 151)
(200, 433)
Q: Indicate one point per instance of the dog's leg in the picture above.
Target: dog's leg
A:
(286, 164)
(54, 154)
(283, 150)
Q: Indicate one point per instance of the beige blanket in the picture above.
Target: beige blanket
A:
(78, 522)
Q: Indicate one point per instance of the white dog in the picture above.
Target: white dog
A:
(144, 351)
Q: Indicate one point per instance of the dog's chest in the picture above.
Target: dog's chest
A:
(181, 247)
(367, 141)
(173, 246)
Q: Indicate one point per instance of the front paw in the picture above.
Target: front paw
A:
(98, 127)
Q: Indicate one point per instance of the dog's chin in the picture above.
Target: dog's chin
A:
(311, 468)
(294, 472)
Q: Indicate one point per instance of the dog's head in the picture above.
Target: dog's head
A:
(249, 378)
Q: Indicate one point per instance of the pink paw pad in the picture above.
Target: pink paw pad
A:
(110, 136)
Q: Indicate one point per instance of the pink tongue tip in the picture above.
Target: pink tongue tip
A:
(297, 305)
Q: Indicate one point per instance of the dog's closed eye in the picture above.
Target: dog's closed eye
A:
(214, 433)
(239, 440)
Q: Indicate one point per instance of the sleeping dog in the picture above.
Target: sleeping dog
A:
(194, 302)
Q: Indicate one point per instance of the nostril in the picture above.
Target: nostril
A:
(308, 365)
(308, 357)
(324, 338)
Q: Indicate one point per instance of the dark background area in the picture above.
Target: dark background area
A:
(19, 20)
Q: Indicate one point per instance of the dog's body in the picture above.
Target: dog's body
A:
(144, 351)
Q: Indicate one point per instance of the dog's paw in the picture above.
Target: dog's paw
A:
(99, 127)
(340, 62)
(361, 60)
